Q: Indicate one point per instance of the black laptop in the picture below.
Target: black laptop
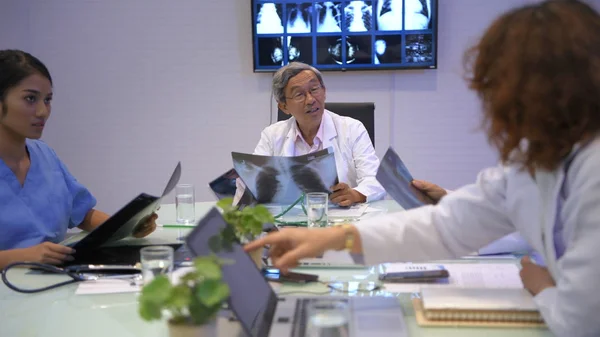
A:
(96, 248)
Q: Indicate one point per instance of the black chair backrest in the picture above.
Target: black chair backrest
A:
(364, 112)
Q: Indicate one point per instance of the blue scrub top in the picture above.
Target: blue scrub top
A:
(50, 201)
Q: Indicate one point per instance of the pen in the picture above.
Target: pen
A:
(178, 226)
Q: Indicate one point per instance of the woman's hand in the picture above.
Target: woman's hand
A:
(146, 228)
(535, 278)
(289, 245)
(48, 252)
(432, 192)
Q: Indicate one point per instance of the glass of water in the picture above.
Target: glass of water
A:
(316, 208)
(328, 318)
(184, 203)
(156, 260)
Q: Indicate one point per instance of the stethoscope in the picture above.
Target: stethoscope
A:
(71, 271)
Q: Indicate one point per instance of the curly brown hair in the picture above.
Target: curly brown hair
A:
(537, 72)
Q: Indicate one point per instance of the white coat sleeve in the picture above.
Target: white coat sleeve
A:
(366, 164)
(572, 308)
(265, 145)
(462, 222)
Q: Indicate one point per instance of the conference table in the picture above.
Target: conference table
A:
(62, 312)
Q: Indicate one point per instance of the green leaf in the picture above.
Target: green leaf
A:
(232, 217)
(208, 268)
(253, 225)
(225, 204)
(201, 314)
(180, 297)
(228, 237)
(212, 292)
(149, 310)
(189, 277)
(157, 291)
(263, 215)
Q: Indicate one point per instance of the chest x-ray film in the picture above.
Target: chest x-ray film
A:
(395, 178)
(282, 180)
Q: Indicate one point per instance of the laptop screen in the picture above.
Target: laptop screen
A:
(251, 297)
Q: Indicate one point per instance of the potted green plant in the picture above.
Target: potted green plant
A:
(245, 225)
(192, 304)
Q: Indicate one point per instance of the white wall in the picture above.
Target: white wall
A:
(141, 84)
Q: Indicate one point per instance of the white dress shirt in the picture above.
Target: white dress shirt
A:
(505, 199)
(301, 146)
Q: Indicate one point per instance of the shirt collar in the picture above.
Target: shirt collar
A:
(298, 135)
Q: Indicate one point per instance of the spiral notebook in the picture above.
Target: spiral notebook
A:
(477, 307)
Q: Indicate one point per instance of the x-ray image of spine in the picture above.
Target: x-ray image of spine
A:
(358, 16)
(268, 19)
(417, 14)
(328, 17)
(419, 48)
(298, 18)
(389, 15)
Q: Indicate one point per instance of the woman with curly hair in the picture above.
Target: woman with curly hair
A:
(537, 72)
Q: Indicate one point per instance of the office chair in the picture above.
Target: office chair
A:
(364, 112)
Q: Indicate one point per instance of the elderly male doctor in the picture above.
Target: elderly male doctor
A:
(300, 92)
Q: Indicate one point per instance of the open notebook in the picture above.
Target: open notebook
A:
(477, 307)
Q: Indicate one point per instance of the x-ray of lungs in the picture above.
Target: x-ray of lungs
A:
(395, 178)
(268, 19)
(417, 15)
(283, 179)
(299, 18)
(358, 16)
(328, 17)
(389, 15)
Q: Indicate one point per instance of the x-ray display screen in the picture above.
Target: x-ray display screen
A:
(345, 35)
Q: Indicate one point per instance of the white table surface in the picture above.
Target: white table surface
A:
(61, 313)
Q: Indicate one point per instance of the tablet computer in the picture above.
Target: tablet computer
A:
(124, 222)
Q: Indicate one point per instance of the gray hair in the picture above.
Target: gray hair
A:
(285, 73)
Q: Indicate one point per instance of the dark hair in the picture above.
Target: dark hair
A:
(537, 72)
(16, 65)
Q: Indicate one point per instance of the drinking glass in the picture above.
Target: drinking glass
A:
(316, 209)
(156, 260)
(184, 203)
(328, 318)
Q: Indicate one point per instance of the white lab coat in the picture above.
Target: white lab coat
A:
(505, 199)
(355, 157)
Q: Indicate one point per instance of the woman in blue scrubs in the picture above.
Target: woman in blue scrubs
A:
(39, 198)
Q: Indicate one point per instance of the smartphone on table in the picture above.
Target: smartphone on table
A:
(274, 275)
